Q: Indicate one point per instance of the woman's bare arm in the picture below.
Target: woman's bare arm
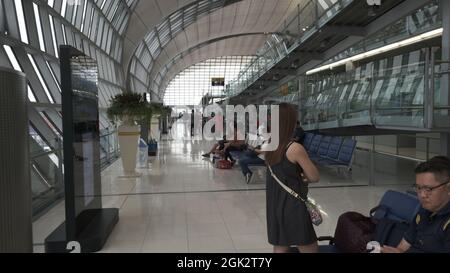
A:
(297, 154)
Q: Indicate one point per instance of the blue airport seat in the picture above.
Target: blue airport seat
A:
(345, 155)
(347, 150)
(308, 139)
(333, 150)
(323, 148)
(315, 143)
(391, 208)
(394, 205)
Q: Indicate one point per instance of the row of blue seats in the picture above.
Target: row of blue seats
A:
(328, 150)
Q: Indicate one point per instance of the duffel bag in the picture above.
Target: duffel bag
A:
(353, 232)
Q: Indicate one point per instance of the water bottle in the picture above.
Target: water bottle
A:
(373, 247)
(143, 154)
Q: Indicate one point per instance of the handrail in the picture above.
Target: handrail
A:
(400, 108)
(54, 151)
(44, 153)
(404, 103)
(399, 156)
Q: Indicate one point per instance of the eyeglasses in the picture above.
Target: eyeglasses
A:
(427, 189)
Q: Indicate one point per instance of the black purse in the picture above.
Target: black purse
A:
(313, 210)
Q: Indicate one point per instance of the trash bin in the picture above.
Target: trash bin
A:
(143, 154)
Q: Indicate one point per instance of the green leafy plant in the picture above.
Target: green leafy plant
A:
(159, 109)
(130, 107)
(134, 107)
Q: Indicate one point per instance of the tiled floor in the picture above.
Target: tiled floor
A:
(182, 204)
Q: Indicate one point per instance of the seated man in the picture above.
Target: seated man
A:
(430, 232)
(224, 147)
(253, 155)
(217, 148)
(234, 145)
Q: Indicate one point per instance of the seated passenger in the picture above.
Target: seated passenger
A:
(217, 148)
(234, 145)
(253, 156)
(430, 232)
(224, 147)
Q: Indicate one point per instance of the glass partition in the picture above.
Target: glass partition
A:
(46, 164)
(387, 92)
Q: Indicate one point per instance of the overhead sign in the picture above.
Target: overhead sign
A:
(217, 81)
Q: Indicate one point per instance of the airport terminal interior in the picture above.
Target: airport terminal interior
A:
(369, 81)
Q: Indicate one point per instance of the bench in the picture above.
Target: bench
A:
(330, 151)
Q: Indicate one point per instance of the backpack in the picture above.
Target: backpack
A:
(353, 232)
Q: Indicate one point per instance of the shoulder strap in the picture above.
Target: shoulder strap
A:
(446, 225)
(286, 188)
(289, 145)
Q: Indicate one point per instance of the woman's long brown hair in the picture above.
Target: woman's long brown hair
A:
(287, 124)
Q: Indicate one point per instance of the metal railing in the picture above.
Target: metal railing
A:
(309, 19)
(412, 96)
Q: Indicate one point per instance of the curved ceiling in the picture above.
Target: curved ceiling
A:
(242, 45)
(224, 18)
(146, 15)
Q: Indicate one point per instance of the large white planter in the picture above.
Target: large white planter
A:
(128, 141)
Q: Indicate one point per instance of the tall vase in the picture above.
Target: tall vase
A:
(128, 141)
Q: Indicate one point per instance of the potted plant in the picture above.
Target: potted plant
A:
(127, 109)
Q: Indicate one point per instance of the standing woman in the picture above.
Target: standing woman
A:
(288, 221)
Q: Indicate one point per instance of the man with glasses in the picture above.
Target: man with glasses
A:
(430, 232)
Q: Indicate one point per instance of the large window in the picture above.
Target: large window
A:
(191, 85)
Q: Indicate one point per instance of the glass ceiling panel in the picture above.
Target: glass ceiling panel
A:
(189, 86)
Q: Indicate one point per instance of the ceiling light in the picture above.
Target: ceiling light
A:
(371, 53)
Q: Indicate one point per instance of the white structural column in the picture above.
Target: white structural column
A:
(128, 141)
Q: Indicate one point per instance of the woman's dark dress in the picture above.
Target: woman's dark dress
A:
(288, 221)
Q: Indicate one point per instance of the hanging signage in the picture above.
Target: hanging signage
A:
(217, 81)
